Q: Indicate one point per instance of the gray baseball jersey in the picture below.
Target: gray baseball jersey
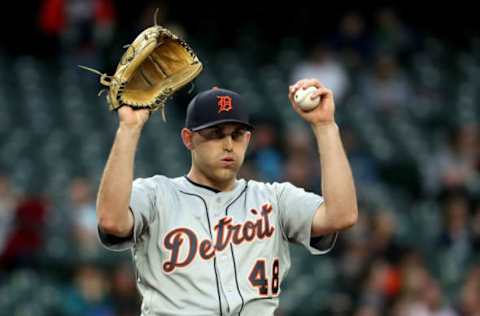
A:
(198, 251)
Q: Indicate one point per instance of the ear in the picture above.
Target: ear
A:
(187, 136)
(248, 136)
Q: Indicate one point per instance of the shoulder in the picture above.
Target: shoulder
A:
(275, 187)
(155, 182)
(281, 190)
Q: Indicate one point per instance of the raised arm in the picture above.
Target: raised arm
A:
(339, 210)
(113, 198)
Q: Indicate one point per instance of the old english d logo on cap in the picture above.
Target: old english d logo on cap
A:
(224, 103)
(216, 106)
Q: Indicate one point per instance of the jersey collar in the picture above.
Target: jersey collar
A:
(201, 185)
(239, 184)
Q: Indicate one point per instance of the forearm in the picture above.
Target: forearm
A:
(116, 184)
(338, 188)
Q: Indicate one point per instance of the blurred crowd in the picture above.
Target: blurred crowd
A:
(414, 250)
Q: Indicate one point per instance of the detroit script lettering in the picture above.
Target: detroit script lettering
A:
(225, 232)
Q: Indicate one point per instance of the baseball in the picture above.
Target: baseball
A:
(302, 98)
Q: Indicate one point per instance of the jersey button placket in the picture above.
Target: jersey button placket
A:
(214, 209)
(223, 256)
(218, 208)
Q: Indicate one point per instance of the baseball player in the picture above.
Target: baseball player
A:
(208, 243)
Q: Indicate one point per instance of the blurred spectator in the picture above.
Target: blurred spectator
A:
(430, 301)
(352, 41)
(367, 310)
(265, 152)
(85, 27)
(413, 275)
(455, 165)
(8, 204)
(383, 243)
(364, 167)
(399, 307)
(475, 229)
(469, 297)
(323, 65)
(124, 291)
(382, 283)
(354, 258)
(454, 244)
(455, 221)
(301, 168)
(89, 294)
(25, 241)
(386, 89)
(249, 171)
(391, 35)
(84, 218)
(421, 294)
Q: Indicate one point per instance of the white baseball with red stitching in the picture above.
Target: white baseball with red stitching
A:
(303, 98)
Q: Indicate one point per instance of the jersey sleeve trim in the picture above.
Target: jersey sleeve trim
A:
(115, 243)
(322, 244)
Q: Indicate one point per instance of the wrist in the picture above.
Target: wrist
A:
(129, 129)
(324, 127)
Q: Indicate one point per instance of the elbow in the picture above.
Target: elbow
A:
(352, 218)
(349, 219)
(111, 226)
(107, 226)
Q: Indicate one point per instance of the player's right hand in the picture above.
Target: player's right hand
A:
(131, 118)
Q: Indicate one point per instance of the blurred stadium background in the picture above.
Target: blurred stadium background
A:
(406, 79)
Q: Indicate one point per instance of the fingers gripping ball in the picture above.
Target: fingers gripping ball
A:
(303, 98)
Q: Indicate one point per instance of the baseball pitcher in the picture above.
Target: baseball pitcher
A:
(207, 242)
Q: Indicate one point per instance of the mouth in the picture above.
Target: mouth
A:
(228, 160)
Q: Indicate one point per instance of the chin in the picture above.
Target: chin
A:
(225, 174)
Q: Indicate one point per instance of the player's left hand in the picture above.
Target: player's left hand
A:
(324, 112)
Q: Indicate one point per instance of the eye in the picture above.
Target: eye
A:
(238, 134)
(214, 134)
(218, 134)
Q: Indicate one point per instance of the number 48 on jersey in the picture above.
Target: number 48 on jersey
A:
(258, 277)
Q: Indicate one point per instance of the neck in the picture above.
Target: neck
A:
(200, 178)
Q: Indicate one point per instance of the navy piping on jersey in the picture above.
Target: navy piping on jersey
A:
(211, 237)
(202, 186)
(231, 248)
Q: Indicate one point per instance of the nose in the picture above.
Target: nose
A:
(228, 143)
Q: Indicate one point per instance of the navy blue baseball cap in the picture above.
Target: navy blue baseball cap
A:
(216, 106)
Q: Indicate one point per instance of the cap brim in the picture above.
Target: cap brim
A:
(210, 124)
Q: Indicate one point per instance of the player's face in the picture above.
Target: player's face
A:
(218, 152)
